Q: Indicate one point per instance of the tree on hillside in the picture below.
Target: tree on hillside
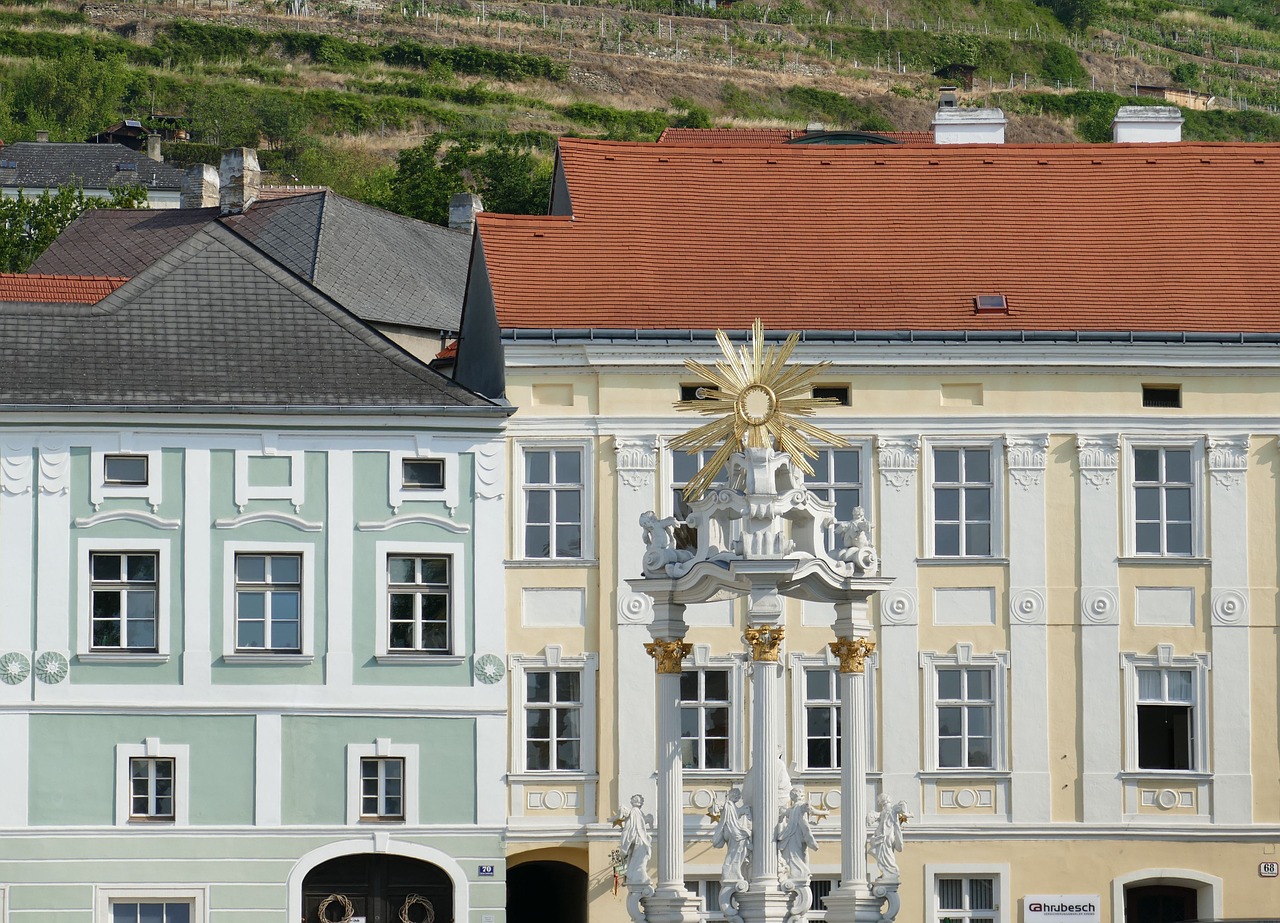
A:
(509, 176)
(73, 95)
(28, 224)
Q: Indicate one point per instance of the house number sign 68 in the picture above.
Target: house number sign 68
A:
(1269, 869)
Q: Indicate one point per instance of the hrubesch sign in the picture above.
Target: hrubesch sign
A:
(1061, 908)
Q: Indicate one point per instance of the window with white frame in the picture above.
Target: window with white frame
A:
(963, 499)
(125, 470)
(1165, 488)
(707, 890)
(1167, 715)
(418, 603)
(122, 470)
(151, 788)
(381, 788)
(962, 899)
(268, 590)
(556, 729)
(966, 709)
(140, 911)
(150, 904)
(124, 601)
(705, 694)
(837, 477)
(684, 465)
(554, 497)
(422, 473)
(816, 717)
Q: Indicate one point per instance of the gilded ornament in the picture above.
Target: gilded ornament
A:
(765, 642)
(759, 401)
(852, 653)
(669, 655)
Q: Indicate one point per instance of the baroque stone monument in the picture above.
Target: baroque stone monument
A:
(763, 536)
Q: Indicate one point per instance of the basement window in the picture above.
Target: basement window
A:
(1162, 396)
(837, 393)
(990, 304)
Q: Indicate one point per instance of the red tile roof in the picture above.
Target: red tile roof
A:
(57, 289)
(743, 136)
(1182, 237)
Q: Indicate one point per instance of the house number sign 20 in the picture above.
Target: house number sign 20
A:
(1269, 869)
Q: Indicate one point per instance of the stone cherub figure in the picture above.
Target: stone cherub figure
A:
(636, 842)
(855, 541)
(661, 545)
(885, 838)
(733, 832)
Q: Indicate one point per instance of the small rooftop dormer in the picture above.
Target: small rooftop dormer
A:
(1147, 125)
(954, 125)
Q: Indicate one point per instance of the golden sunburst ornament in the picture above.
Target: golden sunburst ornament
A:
(759, 401)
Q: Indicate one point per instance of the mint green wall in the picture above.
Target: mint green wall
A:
(315, 765)
(73, 765)
(171, 483)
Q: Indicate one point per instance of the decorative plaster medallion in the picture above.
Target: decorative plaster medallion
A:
(15, 469)
(966, 798)
(14, 667)
(1228, 459)
(489, 669)
(553, 800)
(1025, 458)
(637, 459)
(634, 607)
(488, 463)
(1100, 606)
(702, 799)
(669, 655)
(832, 800)
(1099, 457)
(1027, 606)
(1167, 798)
(898, 458)
(898, 607)
(1229, 607)
(51, 667)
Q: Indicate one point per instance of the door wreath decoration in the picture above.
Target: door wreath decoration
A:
(348, 910)
(417, 900)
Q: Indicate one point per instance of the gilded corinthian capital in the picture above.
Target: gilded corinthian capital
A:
(765, 642)
(852, 653)
(669, 655)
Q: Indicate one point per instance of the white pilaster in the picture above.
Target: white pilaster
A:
(268, 769)
(1099, 458)
(53, 588)
(17, 508)
(1028, 632)
(197, 567)
(491, 769)
(338, 658)
(898, 459)
(1228, 531)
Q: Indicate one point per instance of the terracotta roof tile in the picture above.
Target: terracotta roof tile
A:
(1181, 237)
(57, 289)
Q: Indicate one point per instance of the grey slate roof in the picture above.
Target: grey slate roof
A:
(384, 267)
(215, 322)
(47, 165)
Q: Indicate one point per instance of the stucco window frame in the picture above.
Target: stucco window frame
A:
(703, 659)
(383, 748)
(152, 748)
(1005, 910)
(1164, 659)
(398, 494)
(310, 586)
(295, 491)
(458, 601)
(105, 895)
(994, 444)
(1196, 444)
(85, 549)
(100, 489)
(965, 658)
(588, 664)
(798, 663)
(587, 536)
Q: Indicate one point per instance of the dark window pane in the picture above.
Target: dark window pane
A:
(1179, 538)
(250, 634)
(950, 721)
(106, 567)
(125, 469)
(402, 606)
(946, 539)
(568, 723)
(251, 568)
(978, 684)
(435, 571)
(946, 505)
(1146, 502)
(846, 500)
(401, 570)
(538, 506)
(846, 464)
(285, 568)
(949, 753)
(422, 473)
(537, 541)
(568, 466)
(177, 913)
(979, 722)
(1177, 466)
(401, 635)
(819, 722)
(568, 541)
(537, 467)
(142, 634)
(946, 465)
(537, 687)
(977, 504)
(977, 538)
(717, 754)
(142, 567)
(689, 753)
(568, 506)
(435, 636)
(819, 753)
(568, 686)
(537, 724)
(1147, 538)
(980, 752)
(689, 686)
(1146, 464)
(817, 684)
(1177, 504)
(982, 894)
(977, 465)
(716, 685)
(537, 754)
(284, 636)
(106, 634)
(716, 722)
(1164, 737)
(949, 684)
(106, 604)
(569, 755)
(689, 722)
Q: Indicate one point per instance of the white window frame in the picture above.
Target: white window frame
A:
(1197, 446)
(151, 748)
(382, 747)
(863, 448)
(458, 602)
(309, 584)
(85, 547)
(586, 547)
(553, 659)
(1004, 911)
(702, 659)
(1165, 659)
(993, 444)
(398, 494)
(294, 491)
(965, 658)
(99, 489)
(799, 721)
(106, 895)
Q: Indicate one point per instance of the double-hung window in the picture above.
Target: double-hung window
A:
(150, 911)
(966, 899)
(1165, 715)
(553, 720)
(382, 788)
(268, 590)
(153, 781)
(704, 717)
(554, 493)
(821, 718)
(151, 788)
(1164, 500)
(837, 477)
(418, 603)
(124, 592)
(963, 498)
(966, 709)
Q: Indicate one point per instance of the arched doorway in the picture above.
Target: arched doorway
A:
(1160, 903)
(378, 887)
(543, 890)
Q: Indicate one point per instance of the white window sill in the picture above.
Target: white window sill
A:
(152, 822)
(993, 774)
(122, 657)
(411, 658)
(1159, 559)
(535, 776)
(553, 562)
(297, 660)
(958, 559)
(705, 774)
(1184, 775)
(382, 821)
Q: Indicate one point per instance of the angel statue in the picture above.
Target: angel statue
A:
(886, 836)
(636, 844)
(733, 832)
(794, 836)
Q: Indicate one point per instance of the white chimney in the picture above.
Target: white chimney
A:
(239, 180)
(1147, 125)
(200, 186)
(968, 126)
(153, 148)
(463, 209)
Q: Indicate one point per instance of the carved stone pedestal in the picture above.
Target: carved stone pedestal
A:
(854, 903)
(672, 906)
(762, 905)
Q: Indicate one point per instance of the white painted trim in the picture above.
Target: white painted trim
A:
(105, 895)
(1128, 443)
(248, 519)
(382, 841)
(1199, 664)
(1208, 888)
(340, 602)
(425, 519)
(268, 769)
(294, 491)
(197, 567)
(995, 444)
(126, 444)
(180, 754)
(17, 551)
(458, 603)
(587, 547)
(310, 587)
(998, 662)
(166, 575)
(1006, 910)
(398, 494)
(799, 733)
(146, 519)
(53, 549)
(412, 783)
(552, 659)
